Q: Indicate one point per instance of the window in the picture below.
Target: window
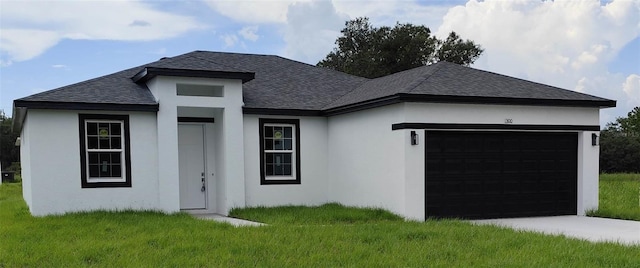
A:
(279, 151)
(104, 150)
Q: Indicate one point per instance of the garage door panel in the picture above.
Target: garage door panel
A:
(500, 174)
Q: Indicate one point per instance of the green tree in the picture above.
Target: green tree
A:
(9, 153)
(629, 125)
(620, 144)
(371, 52)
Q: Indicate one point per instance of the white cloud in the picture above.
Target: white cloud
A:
(254, 11)
(58, 66)
(25, 44)
(310, 27)
(230, 40)
(389, 12)
(562, 43)
(631, 87)
(311, 30)
(249, 33)
(31, 27)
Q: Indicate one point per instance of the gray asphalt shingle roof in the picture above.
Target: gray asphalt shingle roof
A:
(450, 79)
(286, 84)
(116, 88)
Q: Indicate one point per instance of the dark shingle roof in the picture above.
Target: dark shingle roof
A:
(283, 84)
(445, 79)
(116, 88)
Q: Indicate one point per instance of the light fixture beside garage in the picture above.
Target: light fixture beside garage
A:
(594, 139)
(414, 138)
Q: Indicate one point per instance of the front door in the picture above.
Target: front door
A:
(191, 155)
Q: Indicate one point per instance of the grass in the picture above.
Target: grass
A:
(327, 236)
(331, 213)
(619, 197)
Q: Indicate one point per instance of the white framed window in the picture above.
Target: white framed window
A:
(104, 145)
(279, 151)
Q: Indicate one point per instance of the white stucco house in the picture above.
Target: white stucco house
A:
(206, 132)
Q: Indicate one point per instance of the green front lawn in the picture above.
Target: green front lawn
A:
(619, 197)
(328, 236)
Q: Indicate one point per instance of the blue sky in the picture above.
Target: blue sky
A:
(586, 46)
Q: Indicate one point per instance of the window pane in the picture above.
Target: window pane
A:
(287, 144)
(278, 133)
(94, 171)
(269, 169)
(268, 144)
(115, 143)
(92, 128)
(115, 128)
(268, 132)
(278, 170)
(287, 132)
(93, 142)
(103, 126)
(278, 159)
(115, 158)
(116, 170)
(278, 144)
(286, 170)
(93, 158)
(281, 158)
(105, 169)
(104, 143)
(269, 158)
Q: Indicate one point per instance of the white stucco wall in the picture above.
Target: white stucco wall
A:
(588, 172)
(372, 165)
(51, 163)
(312, 189)
(367, 160)
(496, 114)
(25, 162)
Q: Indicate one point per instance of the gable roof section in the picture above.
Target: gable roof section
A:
(449, 82)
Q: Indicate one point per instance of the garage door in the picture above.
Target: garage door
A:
(480, 175)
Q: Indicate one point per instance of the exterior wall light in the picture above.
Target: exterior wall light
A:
(594, 139)
(414, 138)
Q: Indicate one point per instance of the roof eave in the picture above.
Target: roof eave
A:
(56, 105)
(19, 114)
(275, 111)
(604, 103)
(405, 97)
(149, 73)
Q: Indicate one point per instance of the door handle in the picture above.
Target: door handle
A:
(203, 187)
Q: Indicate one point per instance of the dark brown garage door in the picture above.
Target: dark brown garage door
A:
(481, 175)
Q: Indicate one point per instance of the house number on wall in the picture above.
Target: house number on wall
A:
(508, 121)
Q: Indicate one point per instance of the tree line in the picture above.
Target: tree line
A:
(620, 144)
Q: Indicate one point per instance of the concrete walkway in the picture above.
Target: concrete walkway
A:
(233, 221)
(587, 228)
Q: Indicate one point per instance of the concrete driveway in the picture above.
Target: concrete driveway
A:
(587, 228)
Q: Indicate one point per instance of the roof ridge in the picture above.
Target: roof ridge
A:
(355, 87)
(436, 67)
(382, 77)
(211, 61)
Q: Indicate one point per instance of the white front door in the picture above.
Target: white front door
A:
(191, 155)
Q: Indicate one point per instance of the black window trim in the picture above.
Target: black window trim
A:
(296, 123)
(83, 158)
